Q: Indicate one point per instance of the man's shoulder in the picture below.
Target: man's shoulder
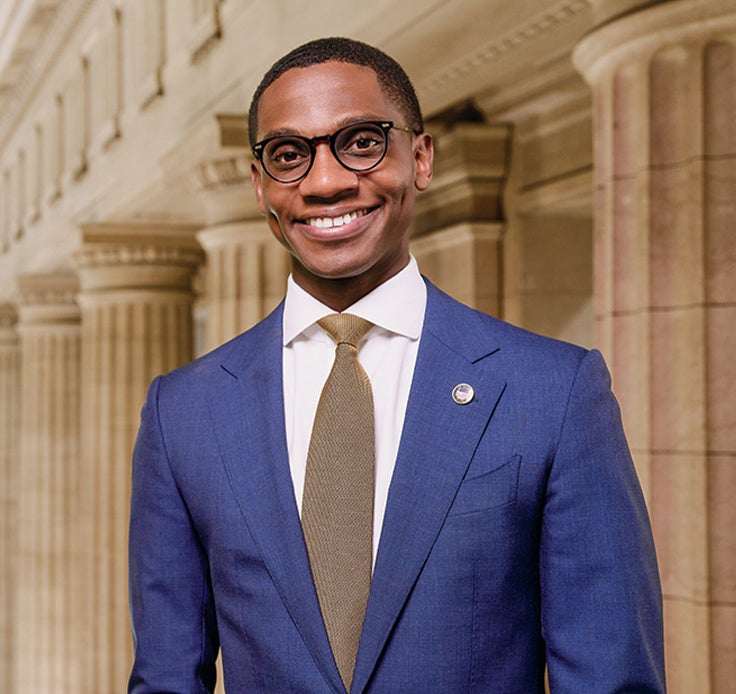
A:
(233, 356)
(451, 320)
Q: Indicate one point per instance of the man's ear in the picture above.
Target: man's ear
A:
(423, 159)
(256, 178)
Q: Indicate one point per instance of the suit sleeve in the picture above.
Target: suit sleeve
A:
(601, 597)
(172, 613)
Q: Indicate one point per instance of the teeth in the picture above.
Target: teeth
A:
(328, 222)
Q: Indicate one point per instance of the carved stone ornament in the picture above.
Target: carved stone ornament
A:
(223, 172)
(51, 289)
(109, 255)
(524, 33)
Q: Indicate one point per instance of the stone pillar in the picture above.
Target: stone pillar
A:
(9, 466)
(465, 260)
(245, 277)
(47, 590)
(547, 203)
(663, 77)
(136, 302)
(458, 229)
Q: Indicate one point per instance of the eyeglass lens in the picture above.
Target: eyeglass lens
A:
(358, 147)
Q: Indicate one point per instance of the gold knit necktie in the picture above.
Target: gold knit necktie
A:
(337, 508)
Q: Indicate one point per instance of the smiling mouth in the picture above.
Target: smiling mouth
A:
(330, 222)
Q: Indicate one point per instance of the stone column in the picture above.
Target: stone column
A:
(9, 466)
(465, 260)
(136, 302)
(245, 277)
(663, 77)
(47, 590)
(458, 229)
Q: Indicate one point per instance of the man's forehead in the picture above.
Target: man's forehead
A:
(331, 70)
(332, 91)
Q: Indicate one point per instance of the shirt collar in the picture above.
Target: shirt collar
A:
(397, 305)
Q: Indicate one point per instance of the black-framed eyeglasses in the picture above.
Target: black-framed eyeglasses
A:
(358, 147)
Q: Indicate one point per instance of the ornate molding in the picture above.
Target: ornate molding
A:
(485, 55)
(228, 162)
(149, 66)
(68, 16)
(223, 172)
(55, 289)
(471, 167)
(232, 235)
(110, 255)
(125, 261)
(640, 34)
(47, 297)
(207, 31)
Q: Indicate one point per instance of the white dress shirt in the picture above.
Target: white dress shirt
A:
(388, 354)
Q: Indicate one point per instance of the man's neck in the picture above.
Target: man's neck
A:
(339, 294)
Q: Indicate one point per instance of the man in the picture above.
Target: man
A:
(509, 533)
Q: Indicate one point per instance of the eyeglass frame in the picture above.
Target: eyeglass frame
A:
(384, 125)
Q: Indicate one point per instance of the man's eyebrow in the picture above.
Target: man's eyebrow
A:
(348, 120)
(279, 132)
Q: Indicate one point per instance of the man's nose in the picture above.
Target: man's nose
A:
(328, 177)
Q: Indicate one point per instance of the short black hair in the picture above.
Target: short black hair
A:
(391, 76)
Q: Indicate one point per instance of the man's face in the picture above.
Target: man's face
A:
(347, 232)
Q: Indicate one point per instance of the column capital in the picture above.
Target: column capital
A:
(469, 171)
(644, 28)
(47, 299)
(115, 257)
(222, 176)
(222, 182)
(222, 171)
(233, 234)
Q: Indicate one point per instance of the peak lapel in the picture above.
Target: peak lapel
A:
(437, 445)
(248, 414)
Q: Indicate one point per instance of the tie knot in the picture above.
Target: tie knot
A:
(345, 327)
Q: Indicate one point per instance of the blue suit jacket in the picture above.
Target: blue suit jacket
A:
(515, 531)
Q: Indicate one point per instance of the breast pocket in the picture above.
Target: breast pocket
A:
(489, 489)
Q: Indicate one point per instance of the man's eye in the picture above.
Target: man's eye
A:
(287, 155)
(365, 142)
(361, 142)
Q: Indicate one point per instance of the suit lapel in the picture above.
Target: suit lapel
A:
(248, 415)
(438, 442)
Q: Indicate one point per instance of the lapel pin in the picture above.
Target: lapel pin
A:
(463, 393)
